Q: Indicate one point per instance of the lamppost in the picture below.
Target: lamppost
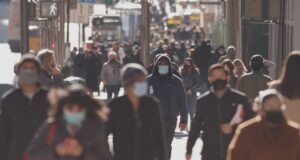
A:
(145, 31)
(24, 27)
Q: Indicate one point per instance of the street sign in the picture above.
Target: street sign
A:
(81, 14)
(49, 9)
(86, 1)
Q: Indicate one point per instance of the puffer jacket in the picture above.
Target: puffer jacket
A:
(111, 73)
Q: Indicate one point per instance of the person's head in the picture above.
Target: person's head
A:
(228, 66)
(116, 46)
(163, 66)
(218, 77)
(47, 59)
(189, 64)
(221, 50)
(77, 106)
(231, 52)
(160, 44)
(165, 47)
(182, 45)
(290, 81)
(134, 79)
(28, 70)
(239, 67)
(257, 63)
(75, 49)
(270, 105)
(112, 56)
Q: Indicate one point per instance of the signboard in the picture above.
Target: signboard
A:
(81, 14)
(49, 9)
(86, 1)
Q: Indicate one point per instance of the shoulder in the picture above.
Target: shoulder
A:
(204, 97)
(10, 94)
(237, 93)
(115, 103)
(293, 127)
(176, 79)
(250, 125)
(246, 75)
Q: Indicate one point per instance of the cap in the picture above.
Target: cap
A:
(131, 72)
(263, 95)
(28, 58)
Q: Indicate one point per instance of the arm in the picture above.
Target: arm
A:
(237, 149)
(197, 126)
(182, 103)
(196, 83)
(104, 72)
(5, 130)
(248, 111)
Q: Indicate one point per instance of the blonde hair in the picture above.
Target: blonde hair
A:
(239, 64)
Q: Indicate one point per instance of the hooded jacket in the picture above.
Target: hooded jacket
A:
(169, 89)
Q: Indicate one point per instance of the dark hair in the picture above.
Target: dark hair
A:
(194, 68)
(257, 62)
(289, 82)
(81, 98)
(228, 63)
(217, 67)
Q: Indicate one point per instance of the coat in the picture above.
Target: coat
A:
(48, 81)
(252, 83)
(211, 112)
(137, 135)
(93, 69)
(91, 137)
(19, 120)
(255, 141)
(111, 73)
(191, 81)
(171, 93)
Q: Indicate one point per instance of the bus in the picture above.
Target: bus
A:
(107, 28)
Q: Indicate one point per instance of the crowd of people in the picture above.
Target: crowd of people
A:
(239, 111)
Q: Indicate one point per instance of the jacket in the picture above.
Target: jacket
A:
(191, 81)
(20, 118)
(137, 135)
(171, 93)
(252, 83)
(48, 81)
(255, 141)
(211, 112)
(91, 137)
(111, 73)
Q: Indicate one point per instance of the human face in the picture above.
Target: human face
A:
(218, 74)
(272, 104)
(29, 66)
(140, 87)
(187, 63)
(74, 115)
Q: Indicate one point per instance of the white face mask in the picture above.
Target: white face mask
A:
(140, 89)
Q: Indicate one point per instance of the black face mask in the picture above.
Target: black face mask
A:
(275, 117)
(219, 84)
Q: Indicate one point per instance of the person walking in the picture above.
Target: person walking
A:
(50, 75)
(218, 113)
(169, 89)
(92, 72)
(75, 132)
(23, 110)
(289, 86)
(228, 65)
(191, 81)
(269, 135)
(135, 120)
(256, 81)
(110, 75)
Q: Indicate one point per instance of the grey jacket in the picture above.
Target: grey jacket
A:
(252, 83)
(111, 73)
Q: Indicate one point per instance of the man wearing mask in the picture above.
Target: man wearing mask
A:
(231, 54)
(110, 75)
(268, 136)
(169, 89)
(50, 75)
(219, 111)
(256, 81)
(23, 111)
(135, 119)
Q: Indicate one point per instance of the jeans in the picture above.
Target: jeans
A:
(170, 128)
(191, 104)
(115, 89)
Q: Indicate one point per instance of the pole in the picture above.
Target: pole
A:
(68, 22)
(24, 27)
(145, 32)
(79, 34)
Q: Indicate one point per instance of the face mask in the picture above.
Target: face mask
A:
(187, 66)
(75, 119)
(275, 117)
(28, 76)
(163, 70)
(219, 84)
(140, 89)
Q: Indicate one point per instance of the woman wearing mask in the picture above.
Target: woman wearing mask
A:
(269, 136)
(135, 120)
(191, 81)
(74, 133)
(110, 75)
(289, 86)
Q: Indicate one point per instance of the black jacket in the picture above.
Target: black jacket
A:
(171, 93)
(210, 114)
(136, 135)
(20, 118)
(91, 137)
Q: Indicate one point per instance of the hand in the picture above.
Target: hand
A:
(183, 127)
(189, 92)
(104, 82)
(226, 128)
(61, 149)
(54, 70)
(188, 157)
(75, 150)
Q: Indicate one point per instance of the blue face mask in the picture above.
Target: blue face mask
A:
(163, 70)
(75, 119)
(140, 89)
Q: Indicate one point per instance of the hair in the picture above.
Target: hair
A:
(194, 68)
(217, 67)
(239, 64)
(80, 97)
(289, 81)
(44, 55)
(230, 65)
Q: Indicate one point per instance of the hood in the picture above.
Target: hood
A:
(164, 58)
